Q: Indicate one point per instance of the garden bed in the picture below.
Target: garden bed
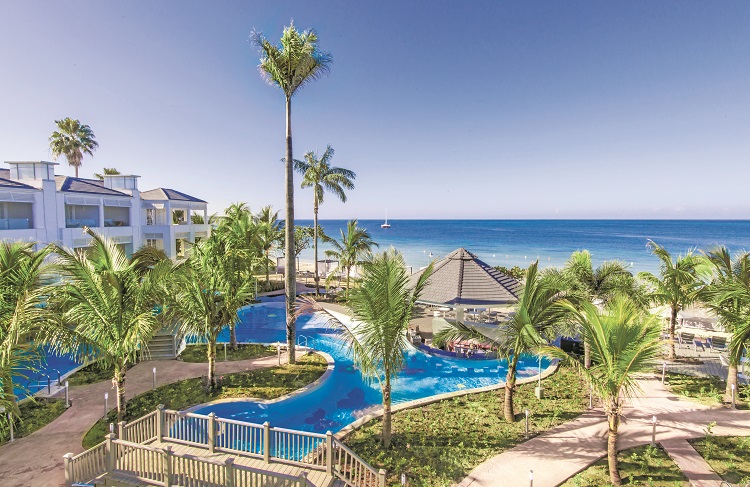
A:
(34, 415)
(704, 390)
(199, 353)
(728, 456)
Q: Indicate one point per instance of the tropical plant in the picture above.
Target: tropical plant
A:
(270, 233)
(624, 342)
(295, 63)
(72, 139)
(207, 297)
(108, 171)
(355, 245)
(728, 295)
(21, 313)
(319, 175)
(676, 286)
(110, 305)
(381, 309)
(525, 331)
(599, 285)
(515, 272)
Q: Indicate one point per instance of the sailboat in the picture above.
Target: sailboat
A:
(385, 225)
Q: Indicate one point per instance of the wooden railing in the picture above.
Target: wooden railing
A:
(130, 457)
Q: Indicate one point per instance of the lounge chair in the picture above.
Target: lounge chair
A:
(698, 344)
(717, 344)
(686, 339)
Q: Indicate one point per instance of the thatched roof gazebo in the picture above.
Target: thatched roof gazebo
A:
(460, 280)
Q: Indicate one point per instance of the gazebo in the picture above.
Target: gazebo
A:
(460, 280)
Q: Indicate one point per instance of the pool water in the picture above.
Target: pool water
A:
(345, 396)
(32, 379)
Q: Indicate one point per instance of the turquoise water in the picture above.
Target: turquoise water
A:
(345, 396)
(519, 242)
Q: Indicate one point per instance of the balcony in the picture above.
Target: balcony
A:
(15, 224)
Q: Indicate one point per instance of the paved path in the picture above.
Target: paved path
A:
(695, 468)
(36, 460)
(571, 447)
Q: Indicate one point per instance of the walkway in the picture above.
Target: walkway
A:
(36, 460)
(571, 447)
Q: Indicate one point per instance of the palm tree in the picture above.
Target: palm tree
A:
(110, 303)
(624, 342)
(269, 235)
(352, 249)
(108, 171)
(597, 285)
(728, 295)
(319, 175)
(72, 139)
(381, 308)
(20, 313)
(207, 297)
(295, 63)
(676, 286)
(524, 332)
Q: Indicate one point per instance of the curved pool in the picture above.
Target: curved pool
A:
(345, 396)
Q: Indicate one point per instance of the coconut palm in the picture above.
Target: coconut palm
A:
(319, 175)
(624, 342)
(110, 303)
(108, 171)
(537, 313)
(269, 235)
(598, 285)
(72, 139)
(728, 295)
(20, 313)
(676, 286)
(207, 298)
(381, 309)
(295, 63)
(351, 250)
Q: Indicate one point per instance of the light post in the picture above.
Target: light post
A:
(539, 390)
(106, 404)
(527, 423)
(663, 371)
(653, 431)
(67, 395)
(733, 405)
(531, 478)
(154, 373)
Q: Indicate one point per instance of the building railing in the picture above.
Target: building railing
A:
(312, 451)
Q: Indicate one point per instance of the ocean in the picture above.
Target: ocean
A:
(520, 242)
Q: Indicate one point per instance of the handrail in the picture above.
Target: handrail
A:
(297, 432)
(352, 470)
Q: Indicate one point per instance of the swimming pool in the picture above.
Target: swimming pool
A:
(35, 376)
(345, 396)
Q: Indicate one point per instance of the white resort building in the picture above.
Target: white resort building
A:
(38, 206)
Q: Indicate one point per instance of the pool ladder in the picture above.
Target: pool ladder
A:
(307, 340)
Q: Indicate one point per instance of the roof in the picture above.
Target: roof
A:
(6, 182)
(162, 194)
(460, 279)
(70, 184)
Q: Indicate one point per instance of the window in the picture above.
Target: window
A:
(150, 216)
(115, 216)
(151, 242)
(16, 216)
(79, 216)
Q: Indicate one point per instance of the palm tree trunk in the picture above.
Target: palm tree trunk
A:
(510, 384)
(233, 336)
(731, 380)
(672, 325)
(212, 363)
(614, 471)
(120, 386)
(586, 354)
(315, 244)
(290, 277)
(387, 413)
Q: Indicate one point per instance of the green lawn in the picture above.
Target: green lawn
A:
(267, 383)
(438, 444)
(34, 415)
(729, 456)
(643, 465)
(198, 353)
(704, 390)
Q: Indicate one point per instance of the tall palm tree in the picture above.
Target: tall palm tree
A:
(676, 286)
(21, 269)
(110, 303)
(72, 139)
(295, 63)
(269, 235)
(524, 332)
(728, 295)
(624, 342)
(381, 308)
(319, 175)
(352, 249)
(597, 285)
(207, 298)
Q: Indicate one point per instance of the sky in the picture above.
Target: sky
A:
(445, 110)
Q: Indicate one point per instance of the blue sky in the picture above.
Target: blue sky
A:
(444, 109)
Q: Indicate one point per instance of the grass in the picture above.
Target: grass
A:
(267, 383)
(728, 456)
(198, 353)
(705, 390)
(91, 374)
(438, 444)
(34, 415)
(643, 465)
